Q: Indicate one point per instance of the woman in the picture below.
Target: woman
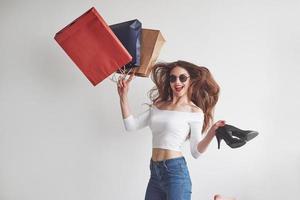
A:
(181, 109)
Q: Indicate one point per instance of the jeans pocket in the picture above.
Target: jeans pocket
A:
(186, 173)
(175, 170)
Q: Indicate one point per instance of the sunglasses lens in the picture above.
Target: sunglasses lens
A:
(182, 78)
(172, 78)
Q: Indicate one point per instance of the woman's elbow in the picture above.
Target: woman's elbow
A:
(196, 154)
(130, 124)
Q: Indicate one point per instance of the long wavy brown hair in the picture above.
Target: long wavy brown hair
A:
(203, 90)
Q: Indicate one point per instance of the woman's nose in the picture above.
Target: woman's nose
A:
(177, 81)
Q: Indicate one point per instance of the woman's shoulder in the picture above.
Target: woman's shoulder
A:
(158, 103)
(197, 115)
(195, 108)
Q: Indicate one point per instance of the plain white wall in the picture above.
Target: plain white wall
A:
(61, 138)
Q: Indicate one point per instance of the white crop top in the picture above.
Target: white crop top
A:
(170, 128)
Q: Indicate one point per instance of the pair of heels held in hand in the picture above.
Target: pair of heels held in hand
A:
(233, 136)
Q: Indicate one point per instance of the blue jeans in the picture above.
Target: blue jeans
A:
(170, 180)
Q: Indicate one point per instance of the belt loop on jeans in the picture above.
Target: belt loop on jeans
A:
(164, 162)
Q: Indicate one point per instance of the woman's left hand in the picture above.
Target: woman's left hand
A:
(215, 126)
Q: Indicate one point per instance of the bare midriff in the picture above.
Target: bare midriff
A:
(164, 154)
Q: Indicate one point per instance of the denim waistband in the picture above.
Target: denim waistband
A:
(169, 162)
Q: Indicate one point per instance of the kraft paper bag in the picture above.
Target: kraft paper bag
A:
(93, 46)
(151, 44)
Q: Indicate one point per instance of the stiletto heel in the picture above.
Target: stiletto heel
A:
(222, 134)
(219, 141)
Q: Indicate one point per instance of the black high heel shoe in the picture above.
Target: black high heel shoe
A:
(242, 134)
(221, 133)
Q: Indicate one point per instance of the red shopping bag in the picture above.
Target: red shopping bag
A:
(92, 46)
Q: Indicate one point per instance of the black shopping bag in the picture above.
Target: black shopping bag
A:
(129, 34)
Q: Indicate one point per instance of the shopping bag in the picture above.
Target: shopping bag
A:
(92, 46)
(129, 33)
(151, 44)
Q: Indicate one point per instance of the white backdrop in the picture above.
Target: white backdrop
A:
(61, 138)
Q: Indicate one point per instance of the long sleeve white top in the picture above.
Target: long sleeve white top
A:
(169, 128)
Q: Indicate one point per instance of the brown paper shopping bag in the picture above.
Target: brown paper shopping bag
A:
(151, 44)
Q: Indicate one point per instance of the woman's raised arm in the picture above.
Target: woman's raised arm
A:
(123, 87)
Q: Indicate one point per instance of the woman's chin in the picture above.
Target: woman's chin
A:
(179, 94)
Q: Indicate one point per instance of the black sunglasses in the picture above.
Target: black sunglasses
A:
(182, 78)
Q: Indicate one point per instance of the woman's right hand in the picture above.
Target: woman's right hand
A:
(123, 85)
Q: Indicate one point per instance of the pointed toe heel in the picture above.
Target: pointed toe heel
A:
(246, 135)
